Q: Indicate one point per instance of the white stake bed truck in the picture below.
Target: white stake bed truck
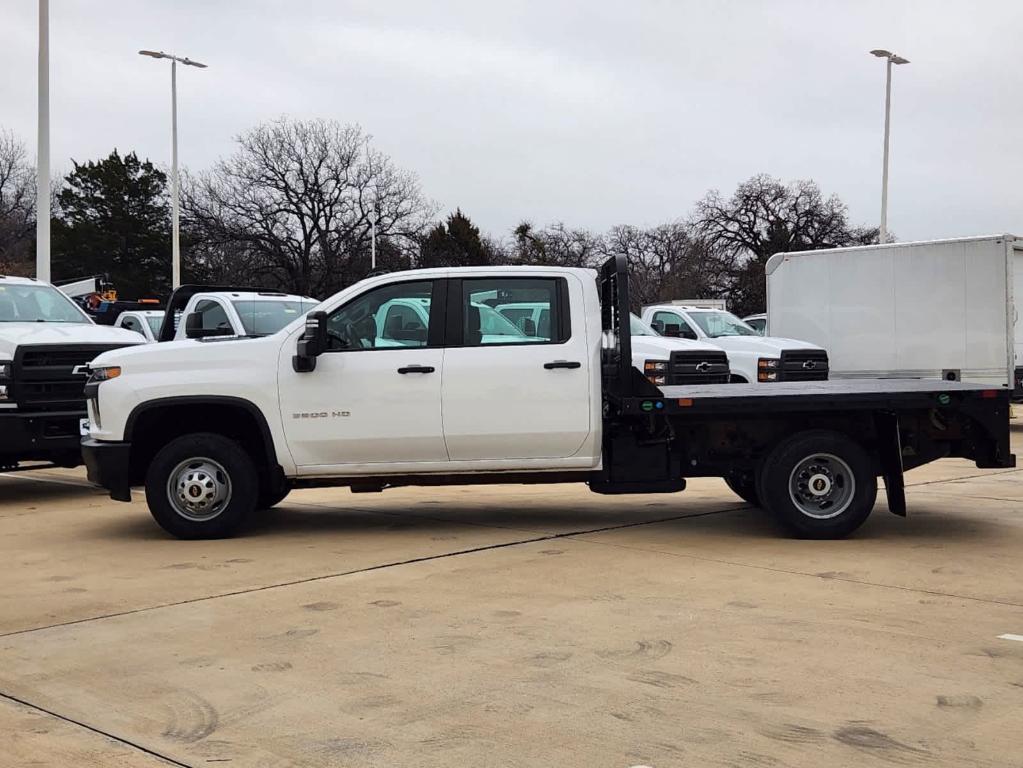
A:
(355, 397)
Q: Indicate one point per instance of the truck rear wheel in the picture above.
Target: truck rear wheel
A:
(819, 484)
(202, 486)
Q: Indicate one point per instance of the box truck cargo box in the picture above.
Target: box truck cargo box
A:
(940, 309)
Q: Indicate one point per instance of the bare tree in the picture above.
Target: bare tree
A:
(765, 217)
(668, 262)
(291, 207)
(554, 245)
(17, 206)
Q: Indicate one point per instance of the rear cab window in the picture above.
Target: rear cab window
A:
(513, 310)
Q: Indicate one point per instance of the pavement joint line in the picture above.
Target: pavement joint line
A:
(368, 569)
(94, 729)
(949, 494)
(932, 592)
(54, 480)
(964, 477)
(1017, 638)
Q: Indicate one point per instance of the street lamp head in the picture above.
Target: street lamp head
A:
(154, 54)
(894, 58)
(191, 63)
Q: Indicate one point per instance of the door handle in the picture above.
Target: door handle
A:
(562, 364)
(417, 369)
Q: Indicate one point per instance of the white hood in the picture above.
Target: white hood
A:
(13, 335)
(661, 347)
(771, 346)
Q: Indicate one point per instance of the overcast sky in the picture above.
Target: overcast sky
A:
(593, 113)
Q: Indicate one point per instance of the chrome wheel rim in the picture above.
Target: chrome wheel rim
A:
(199, 489)
(822, 486)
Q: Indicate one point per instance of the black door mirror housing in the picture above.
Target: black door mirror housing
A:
(658, 326)
(194, 329)
(311, 344)
(688, 333)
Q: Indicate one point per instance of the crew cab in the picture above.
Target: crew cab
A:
(46, 341)
(333, 400)
(753, 358)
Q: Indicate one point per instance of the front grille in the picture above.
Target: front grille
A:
(804, 365)
(44, 377)
(697, 368)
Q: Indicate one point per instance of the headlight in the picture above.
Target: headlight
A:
(3, 391)
(5, 370)
(104, 373)
(656, 371)
(767, 368)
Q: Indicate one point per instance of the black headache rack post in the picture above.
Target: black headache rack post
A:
(620, 380)
(179, 300)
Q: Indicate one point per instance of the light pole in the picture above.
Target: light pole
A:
(43, 148)
(891, 59)
(372, 216)
(175, 201)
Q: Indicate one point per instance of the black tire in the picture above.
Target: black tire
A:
(272, 497)
(745, 487)
(203, 463)
(843, 479)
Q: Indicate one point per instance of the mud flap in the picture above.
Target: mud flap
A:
(890, 454)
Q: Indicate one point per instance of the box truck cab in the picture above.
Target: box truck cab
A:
(752, 358)
(46, 343)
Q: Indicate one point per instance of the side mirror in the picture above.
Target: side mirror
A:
(529, 327)
(194, 329)
(688, 333)
(312, 343)
(658, 325)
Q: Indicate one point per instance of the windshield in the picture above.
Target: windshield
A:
(155, 323)
(719, 323)
(37, 304)
(261, 317)
(638, 328)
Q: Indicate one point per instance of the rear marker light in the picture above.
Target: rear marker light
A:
(685, 402)
(989, 394)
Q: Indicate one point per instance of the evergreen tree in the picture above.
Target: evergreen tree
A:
(456, 244)
(114, 219)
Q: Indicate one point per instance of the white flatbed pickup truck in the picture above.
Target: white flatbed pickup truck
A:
(347, 398)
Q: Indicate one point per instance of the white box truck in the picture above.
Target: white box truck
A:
(939, 309)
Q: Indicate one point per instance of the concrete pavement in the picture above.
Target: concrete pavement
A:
(512, 626)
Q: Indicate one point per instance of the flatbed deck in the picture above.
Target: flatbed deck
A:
(793, 396)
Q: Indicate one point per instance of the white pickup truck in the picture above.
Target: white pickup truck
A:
(344, 397)
(753, 358)
(46, 340)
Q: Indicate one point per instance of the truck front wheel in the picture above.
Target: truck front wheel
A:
(819, 484)
(202, 486)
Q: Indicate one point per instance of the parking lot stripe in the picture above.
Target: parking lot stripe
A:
(1017, 638)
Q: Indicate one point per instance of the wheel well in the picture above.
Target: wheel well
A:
(152, 428)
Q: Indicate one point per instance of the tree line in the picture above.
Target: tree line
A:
(291, 209)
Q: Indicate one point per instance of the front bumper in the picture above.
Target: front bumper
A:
(109, 465)
(40, 435)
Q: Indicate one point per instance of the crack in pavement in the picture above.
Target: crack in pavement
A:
(367, 569)
(94, 729)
